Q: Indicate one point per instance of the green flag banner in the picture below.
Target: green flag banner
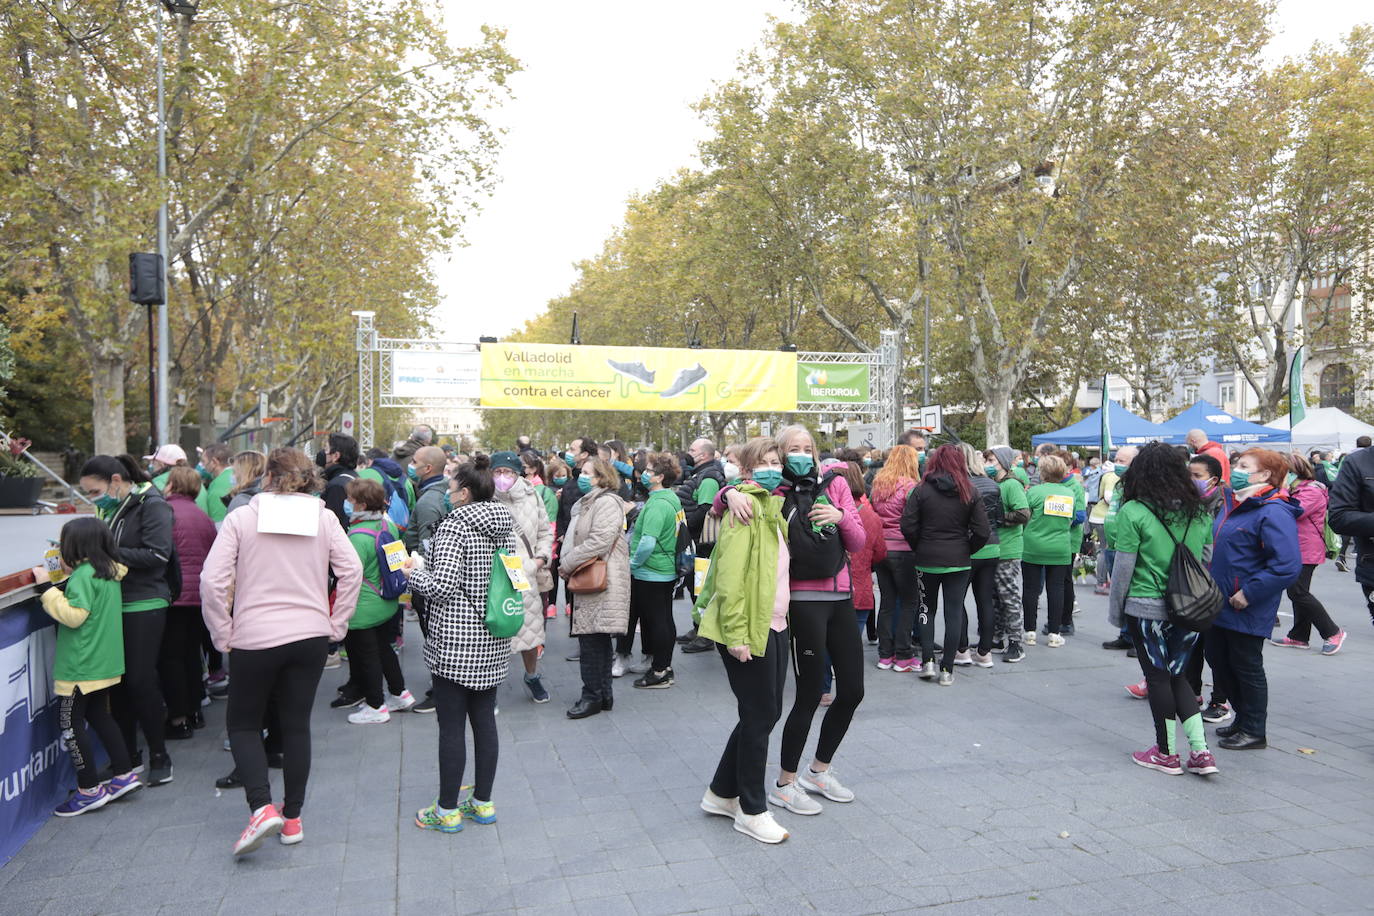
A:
(1297, 401)
(827, 383)
(1106, 416)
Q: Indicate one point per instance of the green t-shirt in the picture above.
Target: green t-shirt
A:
(373, 609)
(1080, 504)
(987, 552)
(93, 651)
(211, 497)
(706, 491)
(1138, 531)
(1020, 474)
(160, 481)
(147, 604)
(1109, 520)
(1047, 539)
(657, 520)
(935, 570)
(1010, 536)
(550, 499)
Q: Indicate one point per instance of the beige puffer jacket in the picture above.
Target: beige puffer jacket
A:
(597, 530)
(533, 541)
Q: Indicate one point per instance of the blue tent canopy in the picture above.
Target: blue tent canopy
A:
(1225, 428)
(1127, 429)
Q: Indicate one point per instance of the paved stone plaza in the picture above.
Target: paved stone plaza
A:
(1012, 792)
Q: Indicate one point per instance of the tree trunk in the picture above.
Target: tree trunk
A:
(205, 411)
(899, 387)
(107, 410)
(998, 414)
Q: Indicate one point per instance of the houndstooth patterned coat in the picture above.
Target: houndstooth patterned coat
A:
(459, 647)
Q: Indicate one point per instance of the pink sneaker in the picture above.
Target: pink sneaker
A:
(1102, 588)
(885, 664)
(1202, 763)
(1288, 643)
(551, 612)
(291, 832)
(1152, 759)
(264, 822)
(1333, 645)
(906, 664)
(1139, 691)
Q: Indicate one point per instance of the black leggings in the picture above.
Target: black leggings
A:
(757, 685)
(985, 601)
(899, 595)
(94, 707)
(456, 706)
(137, 699)
(286, 675)
(1307, 610)
(1171, 696)
(652, 603)
(370, 659)
(819, 627)
(1055, 581)
(179, 662)
(955, 586)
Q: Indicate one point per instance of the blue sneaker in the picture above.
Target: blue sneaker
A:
(120, 786)
(81, 802)
(481, 812)
(432, 818)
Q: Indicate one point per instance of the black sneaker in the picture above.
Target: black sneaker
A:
(999, 646)
(1216, 712)
(159, 769)
(425, 705)
(1118, 643)
(178, 732)
(1066, 629)
(344, 701)
(136, 758)
(535, 685)
(700, 644)
(197, 719)
(1014, 653)
(1130, 653)
(231, 781)
(656, 679)
(687, 637)
(1342, 565)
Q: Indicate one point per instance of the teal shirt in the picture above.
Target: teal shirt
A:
(653, 541)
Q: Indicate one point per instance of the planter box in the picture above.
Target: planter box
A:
(19, 492)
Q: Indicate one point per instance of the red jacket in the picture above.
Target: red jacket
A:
(861, 562)
(1217, 451)
(193, 533)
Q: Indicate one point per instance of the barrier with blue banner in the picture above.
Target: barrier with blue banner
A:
(35, 772)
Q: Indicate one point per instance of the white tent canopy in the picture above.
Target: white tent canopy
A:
(1326, 428)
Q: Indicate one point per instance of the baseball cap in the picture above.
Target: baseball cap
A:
(167, 454)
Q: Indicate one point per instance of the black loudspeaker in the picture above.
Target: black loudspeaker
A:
(146, 279)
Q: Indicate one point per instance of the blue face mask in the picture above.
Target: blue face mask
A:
(768, 478)
(105, 502)
(990, 470)
(570, 458)
(204, 473)
(1120, 468)
(800, 463)
(647, 479)
(868, 462)
(584, 483)
(559, 481)
(348, 507)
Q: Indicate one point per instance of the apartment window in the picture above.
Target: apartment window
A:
(1338, 386)
(1190, 395)
(1226, 393)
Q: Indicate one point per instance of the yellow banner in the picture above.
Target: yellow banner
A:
(565, 377)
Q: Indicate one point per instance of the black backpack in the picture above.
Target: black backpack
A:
(1191, 596)
(684, 553)
(815, 554)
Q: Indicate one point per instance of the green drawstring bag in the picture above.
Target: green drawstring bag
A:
(1333, 542)
(505, 604)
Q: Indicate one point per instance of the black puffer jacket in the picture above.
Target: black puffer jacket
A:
(143, 532)
(942, 529)
(1351, 510)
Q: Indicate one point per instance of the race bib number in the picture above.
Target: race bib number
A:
(52, 563)
(703, 565)
(396, 555)
(1059, 506)
(681, 517)
(515, 570)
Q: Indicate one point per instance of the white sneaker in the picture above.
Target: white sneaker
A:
(761, 827)
(369, 715)
(963, 658)
(643, 666)
(982, 661)
(794, 798)
(825, 783)
(400, 703)
(618, 666)
(1054, 641)
(946, 678)
(1028, 638)
(712, 803)
(928, 670)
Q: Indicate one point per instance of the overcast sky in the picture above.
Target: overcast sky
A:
(602, 110)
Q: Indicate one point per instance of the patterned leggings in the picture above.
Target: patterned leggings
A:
(1007, 621)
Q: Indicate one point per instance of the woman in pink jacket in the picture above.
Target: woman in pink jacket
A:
(899, 590)
(1307, 610)
(264, 592)
(820, 615)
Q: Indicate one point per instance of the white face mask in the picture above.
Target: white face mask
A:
(731, 470)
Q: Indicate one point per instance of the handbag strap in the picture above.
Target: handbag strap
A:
(1165, 525)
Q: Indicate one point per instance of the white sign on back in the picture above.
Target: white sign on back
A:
(436, 375)
(288, 513)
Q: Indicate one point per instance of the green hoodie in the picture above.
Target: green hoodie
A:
(211, 498)
(736, 601)
(653, 541)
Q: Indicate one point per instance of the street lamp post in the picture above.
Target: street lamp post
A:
(163, 420)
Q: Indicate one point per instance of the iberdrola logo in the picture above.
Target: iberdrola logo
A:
(817, 378)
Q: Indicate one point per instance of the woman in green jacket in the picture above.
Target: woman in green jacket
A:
(743, 607)
(370, 656)
(653, 572)
(1047, 550)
